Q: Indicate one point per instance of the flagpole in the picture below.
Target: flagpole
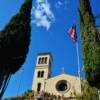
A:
(73, 35)
(77, 52)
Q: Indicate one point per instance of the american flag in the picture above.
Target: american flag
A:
(72, 33)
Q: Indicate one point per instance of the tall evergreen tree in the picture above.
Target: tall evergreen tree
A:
(14, 44)
(91, 43)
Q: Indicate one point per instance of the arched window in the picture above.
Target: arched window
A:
(39, 61)
(38, 74)
(45, 60)
(42, 74)
(38, 87)
(42, 60)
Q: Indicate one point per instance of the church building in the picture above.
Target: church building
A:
(62, 84)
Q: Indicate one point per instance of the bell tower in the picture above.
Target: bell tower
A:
(42, 71)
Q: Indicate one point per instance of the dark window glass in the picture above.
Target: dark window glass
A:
(38, 87)
(39, 99)
(45, 60)
(42, 74)
(62, 85)
(42, 60)
(39, 61)
(39, 74)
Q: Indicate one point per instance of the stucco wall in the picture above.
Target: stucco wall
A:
(74, 85)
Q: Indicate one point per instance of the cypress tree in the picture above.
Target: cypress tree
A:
(90, 43)
(14, 43)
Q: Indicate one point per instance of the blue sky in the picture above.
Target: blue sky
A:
(51, 20)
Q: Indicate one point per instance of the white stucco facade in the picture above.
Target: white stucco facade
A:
(73, 85)
(63, 84)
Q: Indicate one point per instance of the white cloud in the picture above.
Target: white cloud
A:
(38, 14)
(58, 4)
(43, 16)
(44, 22)
(61, 3)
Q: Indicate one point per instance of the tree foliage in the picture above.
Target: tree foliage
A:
(14, 42)
(91, 43)
(88, 92)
